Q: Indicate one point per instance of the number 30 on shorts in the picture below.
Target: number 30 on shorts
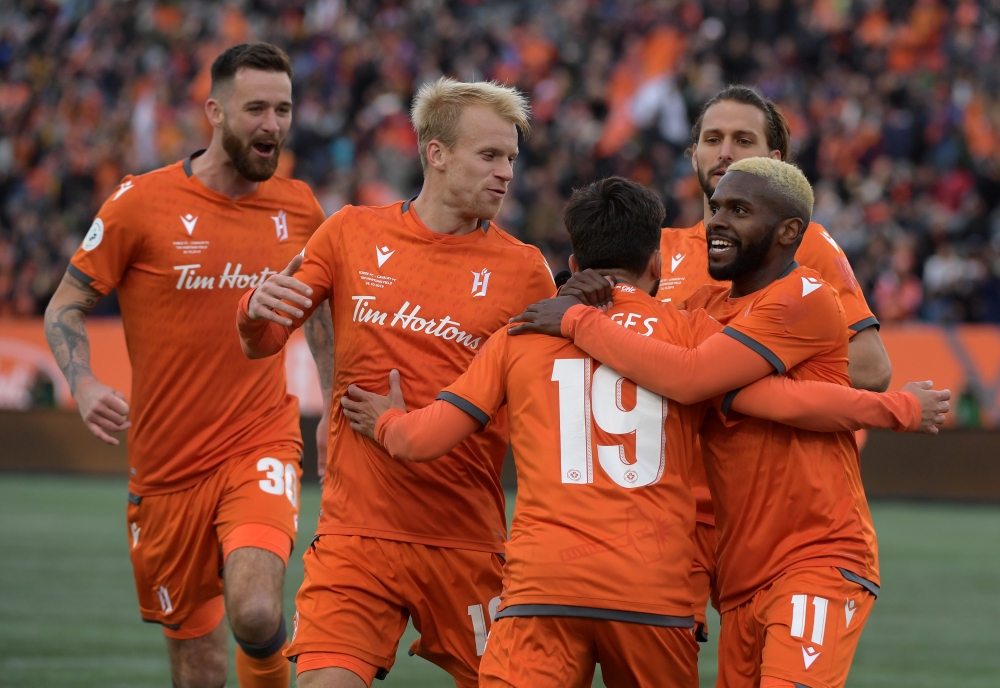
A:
(280, 479)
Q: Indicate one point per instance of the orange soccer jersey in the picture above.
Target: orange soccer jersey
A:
(424, 303)
(785, 498)
(604, 516)
(181, 256)
(685, 252)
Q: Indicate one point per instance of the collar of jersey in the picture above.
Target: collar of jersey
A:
(205, 191)
(736, 300)
(414, 222)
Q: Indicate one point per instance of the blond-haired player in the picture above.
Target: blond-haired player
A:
(418, 286)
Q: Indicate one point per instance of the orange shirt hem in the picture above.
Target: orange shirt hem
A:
(495, 547)
(836, 562)
(596, 603)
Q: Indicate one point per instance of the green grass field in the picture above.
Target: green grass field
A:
(68, 615)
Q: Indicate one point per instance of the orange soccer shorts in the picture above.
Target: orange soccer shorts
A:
(706, 539)
(542, 651)
(803, 628)
(179, 541)
(358, 592)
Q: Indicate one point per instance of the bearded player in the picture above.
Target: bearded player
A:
(214, 449)
(798, 561)
(738, 123)
(602, 468)
(418, 286)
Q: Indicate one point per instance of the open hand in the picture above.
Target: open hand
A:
(269, 300)
(364, 408)
(104, 409)
(934, 404)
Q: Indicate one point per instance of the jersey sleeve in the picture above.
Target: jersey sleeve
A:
(481, 390)
(821, 253)
(824, 406)
(424, 434)
(114, 240)
(795, 320)
(539, 284)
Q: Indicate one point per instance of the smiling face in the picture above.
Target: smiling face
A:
(730, 131)
(480, 166)
(256, 109)
(743, 227)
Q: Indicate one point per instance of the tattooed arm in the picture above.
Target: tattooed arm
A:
(104, 410)
(319, 335)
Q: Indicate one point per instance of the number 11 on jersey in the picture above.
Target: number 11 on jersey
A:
(583, 404)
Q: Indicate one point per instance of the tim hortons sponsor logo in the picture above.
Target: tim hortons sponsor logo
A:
(231, 278)
(407, 319)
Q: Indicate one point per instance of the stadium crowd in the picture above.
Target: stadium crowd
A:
(894, 107)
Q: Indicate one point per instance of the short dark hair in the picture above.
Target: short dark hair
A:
(615, 224)
(261, 56)
(776, 130)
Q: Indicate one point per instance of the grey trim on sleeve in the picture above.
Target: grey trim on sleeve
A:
(79, 274)
(863, 582)
(596, 613)
(865, 324)
(134, 499)
(466, 406)
(801, 685)
(757, 347)
(789, 269)
(728, 400)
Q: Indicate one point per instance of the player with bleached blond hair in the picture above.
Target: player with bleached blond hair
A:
(415, 287)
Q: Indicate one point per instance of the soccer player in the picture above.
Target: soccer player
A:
(418, 286)
(798, 565)
(215, 449)
(738, 123)
(599, 558)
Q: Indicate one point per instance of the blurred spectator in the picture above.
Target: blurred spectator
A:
(894, 105)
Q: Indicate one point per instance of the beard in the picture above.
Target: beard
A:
(704, 178)
(748, 258)
(245, 160)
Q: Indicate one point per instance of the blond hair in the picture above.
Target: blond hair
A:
(785, 179)
(438, 108)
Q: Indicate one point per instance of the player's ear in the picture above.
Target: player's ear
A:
(789, 230)
(213, 110)
(574, 267)
(694, 157)
(774, 155)
(435, 155)
(655, 266)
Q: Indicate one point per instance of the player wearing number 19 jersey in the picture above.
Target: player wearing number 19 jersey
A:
(600, 551)
(792, 516)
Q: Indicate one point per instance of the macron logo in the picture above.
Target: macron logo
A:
(809, 656)
(849, 610)
(383, 254)
(122, 189)
(189, 222)
(675, 261)
(809, 285)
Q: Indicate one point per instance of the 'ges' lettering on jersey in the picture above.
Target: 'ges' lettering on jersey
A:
(424, 303)
(604, 516)
(785, 498)
(181, 256)
(685, 255)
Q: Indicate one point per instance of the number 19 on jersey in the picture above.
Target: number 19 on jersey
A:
(586, 404)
